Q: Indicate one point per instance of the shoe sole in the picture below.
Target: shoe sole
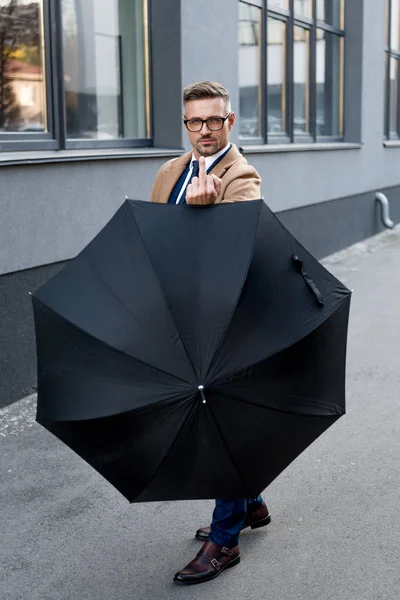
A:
(233, 563)
(261, 523)
(256, 525)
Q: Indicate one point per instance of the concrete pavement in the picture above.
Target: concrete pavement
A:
(66, 534)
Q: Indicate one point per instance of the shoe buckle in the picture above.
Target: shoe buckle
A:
(215, 563)
(226, 550)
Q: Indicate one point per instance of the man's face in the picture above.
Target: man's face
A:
(207, 142)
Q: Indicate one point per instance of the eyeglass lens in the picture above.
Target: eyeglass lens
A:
(213, 123)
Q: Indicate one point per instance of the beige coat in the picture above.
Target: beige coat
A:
(240, 181)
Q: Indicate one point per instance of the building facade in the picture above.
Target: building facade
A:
(90, 108)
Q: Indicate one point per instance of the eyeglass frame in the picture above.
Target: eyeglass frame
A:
(223, 119)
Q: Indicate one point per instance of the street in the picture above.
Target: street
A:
(66, 534)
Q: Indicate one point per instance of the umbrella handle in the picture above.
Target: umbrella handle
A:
(299, 265)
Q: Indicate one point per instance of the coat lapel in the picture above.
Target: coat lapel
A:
(230, 157)
(171, 176)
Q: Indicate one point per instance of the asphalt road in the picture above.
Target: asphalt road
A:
(66, 534)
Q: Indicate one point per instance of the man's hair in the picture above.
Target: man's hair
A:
(206, 89)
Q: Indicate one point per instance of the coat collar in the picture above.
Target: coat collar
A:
(227, 161)
(222, 166)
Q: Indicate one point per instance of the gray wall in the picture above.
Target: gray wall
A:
(354, 219)
(49, 212)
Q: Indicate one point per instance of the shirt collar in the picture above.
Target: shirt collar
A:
(211, 159)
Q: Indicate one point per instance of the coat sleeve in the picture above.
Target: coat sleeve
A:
(246, 186)
(157, 185)
(157, 191)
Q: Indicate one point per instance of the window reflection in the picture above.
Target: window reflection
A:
(250, 70)
(104, 74)
(303, 53)
(22, 79)
(278, 3)
(395, 25)
(276, 79)
(330, 11)
(301, 122)
(392, 125)
(393, 96)
(303, 8)
(329, 93)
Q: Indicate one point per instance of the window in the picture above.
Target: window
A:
(81, 83)
(291, 70)
(22, 68)
(392, 104)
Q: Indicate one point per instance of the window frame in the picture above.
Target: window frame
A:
(56, 136)
(311, 24)
(391, 53)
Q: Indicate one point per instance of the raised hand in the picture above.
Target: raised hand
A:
(203, 189)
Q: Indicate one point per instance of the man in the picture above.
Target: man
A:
(213, 172)
(224, 175)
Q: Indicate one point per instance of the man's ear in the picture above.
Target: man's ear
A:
(231, 120)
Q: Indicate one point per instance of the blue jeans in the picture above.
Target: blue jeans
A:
(228, 519)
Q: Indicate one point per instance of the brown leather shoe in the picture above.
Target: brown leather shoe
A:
(257, 516)
(209, 563)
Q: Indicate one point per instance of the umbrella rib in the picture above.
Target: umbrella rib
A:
(163, 293)
(238, 294)
(338, 409)
(268, 304)
(154, 475)
(112, 292)
(104, 344)
(227, 450)
(228, 375)
(106, 380)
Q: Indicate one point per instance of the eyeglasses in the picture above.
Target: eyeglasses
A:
(213, 123)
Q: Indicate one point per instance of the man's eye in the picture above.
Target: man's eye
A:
(214, 121)
(195, 122)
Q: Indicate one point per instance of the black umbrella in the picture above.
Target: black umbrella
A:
(191, 352)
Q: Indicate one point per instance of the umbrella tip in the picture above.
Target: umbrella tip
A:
(30, 293)
(126, 197)
(201, 388)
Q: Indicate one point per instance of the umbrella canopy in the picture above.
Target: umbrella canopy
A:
(191, 352)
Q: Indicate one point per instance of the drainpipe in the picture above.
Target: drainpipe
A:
(384, 202)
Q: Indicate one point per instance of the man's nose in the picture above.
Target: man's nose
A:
(205, 124)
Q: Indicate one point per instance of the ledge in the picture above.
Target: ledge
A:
(392, 144)
(54, 156)
(318, 147)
